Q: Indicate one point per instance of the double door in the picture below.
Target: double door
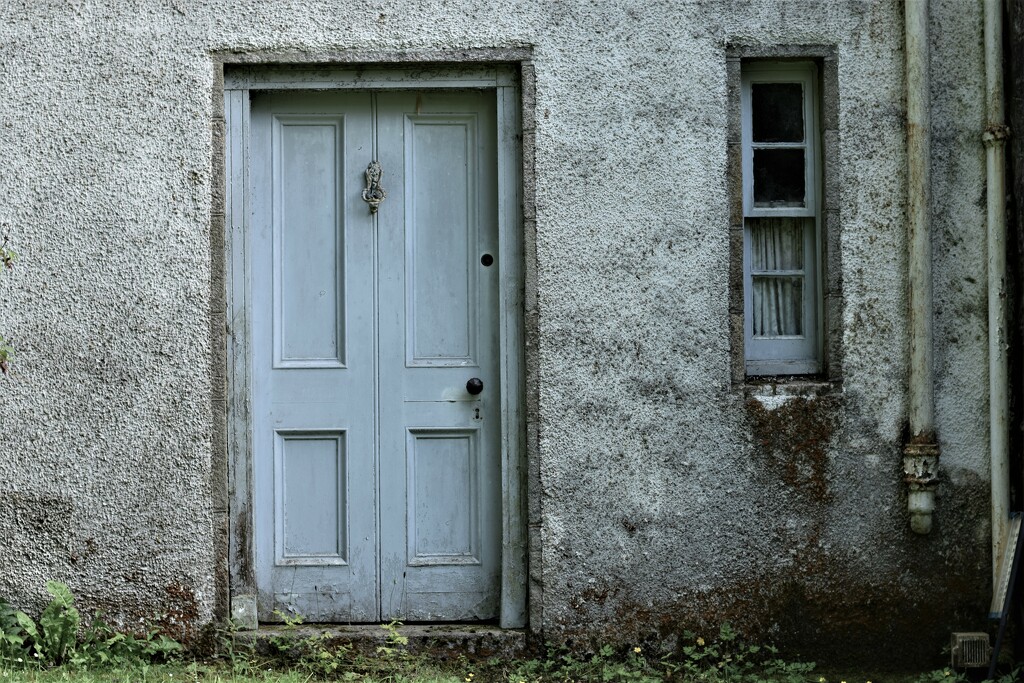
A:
(375, 383)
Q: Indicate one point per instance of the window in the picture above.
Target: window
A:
(781, 184)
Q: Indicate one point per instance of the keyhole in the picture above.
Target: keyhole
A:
(487, 259)
(477, 416)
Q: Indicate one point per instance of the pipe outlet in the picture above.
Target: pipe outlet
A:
(921, 473)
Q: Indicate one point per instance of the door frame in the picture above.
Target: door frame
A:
(238, 83)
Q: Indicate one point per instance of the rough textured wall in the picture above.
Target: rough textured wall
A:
(783, 514)
(670, 498)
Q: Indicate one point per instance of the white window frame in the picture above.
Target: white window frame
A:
(785, 355)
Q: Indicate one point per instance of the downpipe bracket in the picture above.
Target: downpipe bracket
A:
(921, 474)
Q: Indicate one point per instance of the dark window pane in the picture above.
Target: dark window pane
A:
(778, 177)
(777, 112)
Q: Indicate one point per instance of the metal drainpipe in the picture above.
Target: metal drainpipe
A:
(921, 451)
(994, 139)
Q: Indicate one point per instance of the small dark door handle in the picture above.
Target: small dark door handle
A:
(475, 386)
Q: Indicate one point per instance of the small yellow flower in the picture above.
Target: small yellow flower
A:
(637, 650)
(822, 680)
(700, 641)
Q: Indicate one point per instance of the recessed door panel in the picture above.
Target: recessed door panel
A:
(308, 241)
(441, 234)
(443, 498)
(311, 505)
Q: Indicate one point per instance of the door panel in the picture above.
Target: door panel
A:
(377, 474)
(443, 514)
(441, 233)
(309, 287)
(314, 423)
(438, 329)
(312, 484)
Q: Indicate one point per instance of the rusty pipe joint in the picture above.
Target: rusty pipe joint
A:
(921, 474)
(995, 135)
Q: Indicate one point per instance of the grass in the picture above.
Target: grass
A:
(386, 668)
(422, 672)
(203, 673)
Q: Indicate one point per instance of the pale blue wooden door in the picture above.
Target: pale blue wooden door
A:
(440, 491)
(314, 421)
(376, 473)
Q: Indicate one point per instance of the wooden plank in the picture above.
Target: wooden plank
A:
(317, 77)
(513, 438)
(240, 548)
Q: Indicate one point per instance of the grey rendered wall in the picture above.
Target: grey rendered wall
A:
(663, 495)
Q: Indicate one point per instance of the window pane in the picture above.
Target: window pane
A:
(778, 177)
(777, 110)
(778, 306)
(777, 243)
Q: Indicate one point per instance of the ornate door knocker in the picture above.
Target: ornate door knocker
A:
(374, 194)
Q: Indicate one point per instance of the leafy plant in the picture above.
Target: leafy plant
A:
(723, 660)
(13, 647)
(728, 659)
(241, 659)
(58, 625)
(604, 665)
(54, 640)
(395, 643)
(314, 654)
(946, 675)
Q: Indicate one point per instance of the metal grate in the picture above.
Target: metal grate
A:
(969, 650)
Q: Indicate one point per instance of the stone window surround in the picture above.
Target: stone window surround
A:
(831, 266)
(522, 59)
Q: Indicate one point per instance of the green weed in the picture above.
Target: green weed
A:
(58, 638)
(316, 654)
(948, 675)
(724, 660)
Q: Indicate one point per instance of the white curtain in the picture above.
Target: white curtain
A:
(777, 245)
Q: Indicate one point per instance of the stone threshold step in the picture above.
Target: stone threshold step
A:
(442, 641)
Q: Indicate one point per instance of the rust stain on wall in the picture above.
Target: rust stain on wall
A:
(180, 617)
(792, 440)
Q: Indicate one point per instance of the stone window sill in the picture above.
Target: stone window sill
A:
(806, 387)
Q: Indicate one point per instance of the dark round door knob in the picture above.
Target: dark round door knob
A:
(475, 386)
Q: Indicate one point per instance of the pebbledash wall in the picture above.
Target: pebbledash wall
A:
(662, 494)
